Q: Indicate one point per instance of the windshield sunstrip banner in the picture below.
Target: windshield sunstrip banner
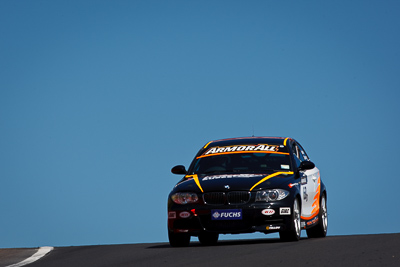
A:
(260, 148)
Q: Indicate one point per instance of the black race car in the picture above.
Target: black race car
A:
(244, 185)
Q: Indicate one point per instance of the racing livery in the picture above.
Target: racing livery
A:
(245, 185)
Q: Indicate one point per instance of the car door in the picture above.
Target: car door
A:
(309, 187)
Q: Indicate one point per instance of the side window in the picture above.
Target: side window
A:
(302, 154)
(296, 155)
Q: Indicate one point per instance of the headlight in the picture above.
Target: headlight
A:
(184, 198)
(271, 195)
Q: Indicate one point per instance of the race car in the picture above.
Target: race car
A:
(246, 185)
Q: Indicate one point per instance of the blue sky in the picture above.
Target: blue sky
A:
(99, 99)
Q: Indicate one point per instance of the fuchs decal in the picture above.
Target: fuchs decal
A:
(233, 214)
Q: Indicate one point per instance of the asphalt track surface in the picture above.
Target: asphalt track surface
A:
(357, 250)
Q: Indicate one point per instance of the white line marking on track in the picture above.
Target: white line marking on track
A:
(39, 254)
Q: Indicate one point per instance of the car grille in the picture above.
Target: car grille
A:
(230, 198)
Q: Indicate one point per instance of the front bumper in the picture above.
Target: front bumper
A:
(255, 217)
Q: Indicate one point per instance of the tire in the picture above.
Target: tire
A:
(293, 230)
(321, 228)
(208, 238)
(178, 240)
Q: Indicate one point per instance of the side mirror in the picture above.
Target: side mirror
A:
(179, 169)
(306, 165)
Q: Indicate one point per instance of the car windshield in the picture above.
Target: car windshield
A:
(241, 163)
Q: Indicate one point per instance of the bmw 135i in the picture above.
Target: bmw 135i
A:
(246, 185)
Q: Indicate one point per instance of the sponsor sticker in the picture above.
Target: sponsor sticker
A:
(229, 176)
(231, 214)
(273, 227)
(313, 221)
(263, 148)
(172, 215)
(285, 167)
(268, 212)
(224, 149)
(284, 211)
(184, 214)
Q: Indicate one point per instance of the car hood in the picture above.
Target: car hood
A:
(233, 182)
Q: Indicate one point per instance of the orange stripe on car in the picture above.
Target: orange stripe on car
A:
(315, 204)
(268, 177)
(316, 198)
(196, 180)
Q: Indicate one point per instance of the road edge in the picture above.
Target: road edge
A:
(39, 254)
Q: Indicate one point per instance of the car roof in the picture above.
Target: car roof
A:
(249, 140)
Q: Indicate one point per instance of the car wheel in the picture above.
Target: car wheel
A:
(321, 228)
(178, 240)
(292, 232)
(208, 238)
